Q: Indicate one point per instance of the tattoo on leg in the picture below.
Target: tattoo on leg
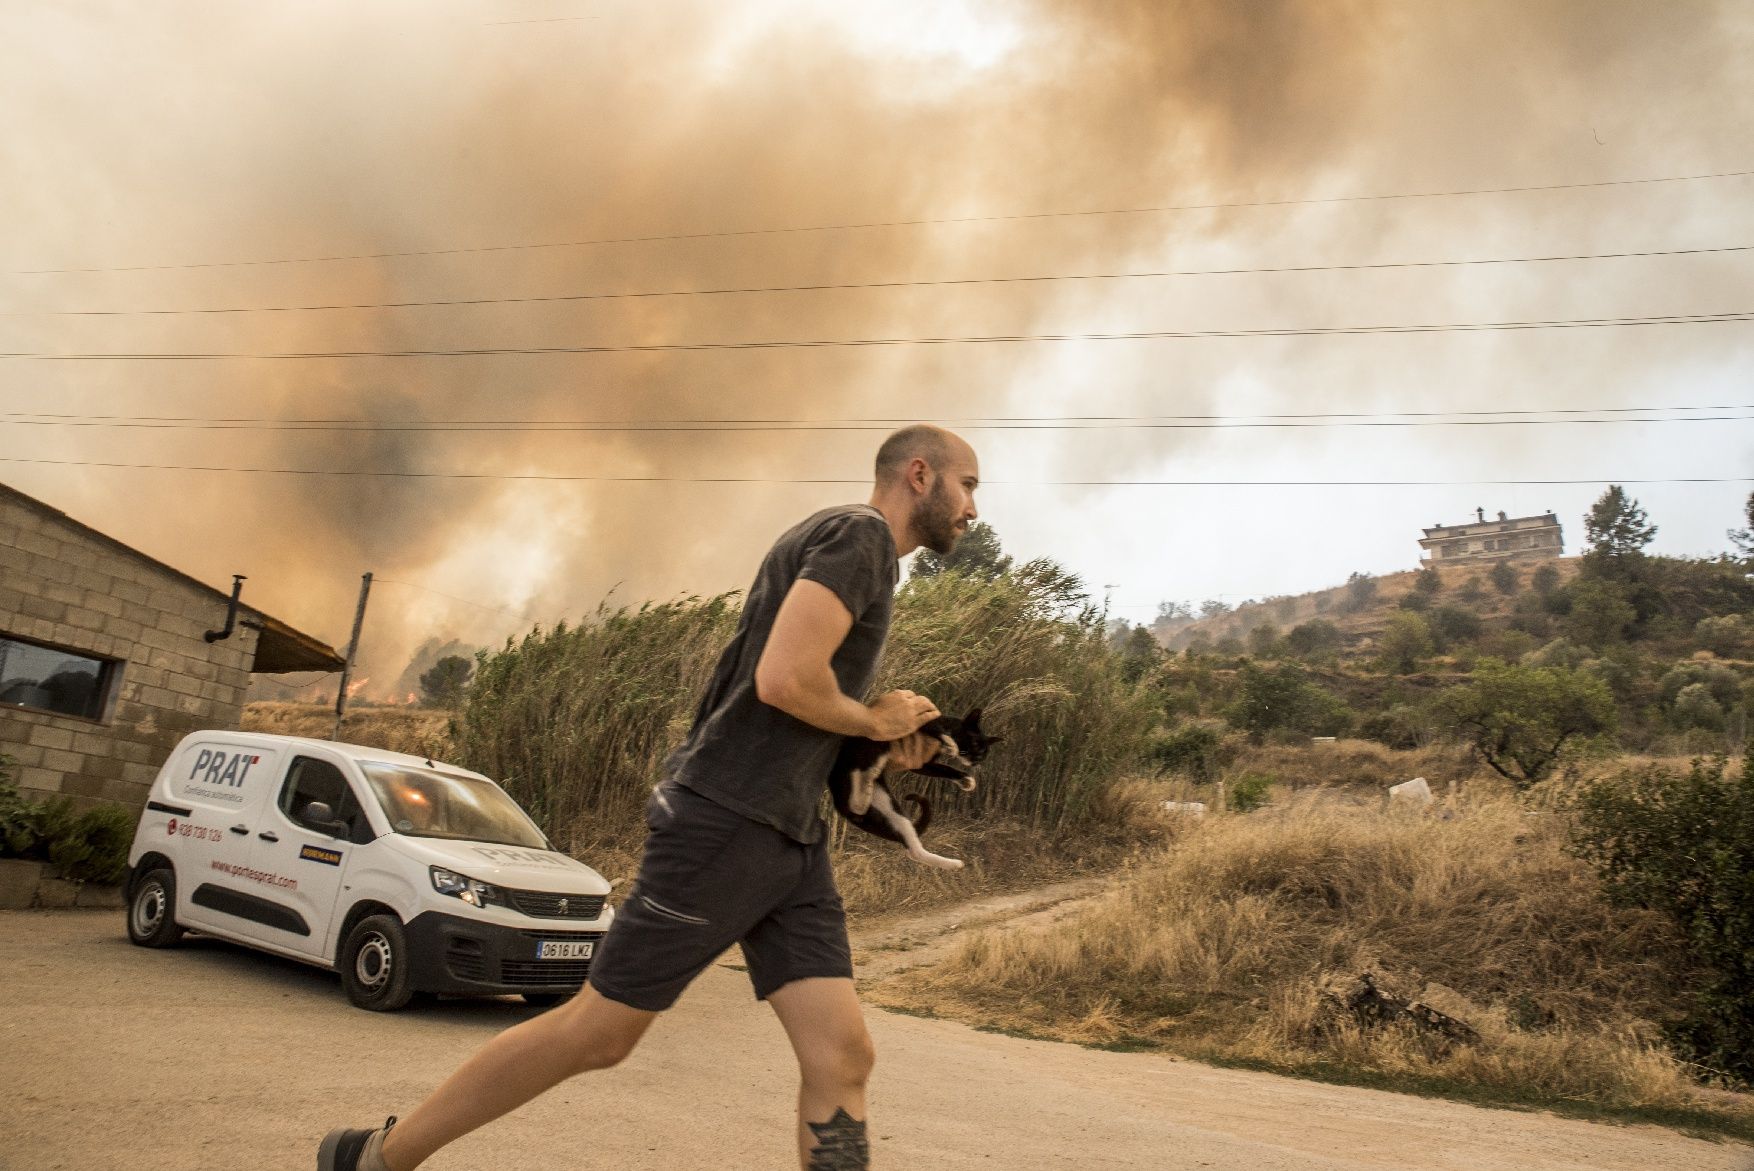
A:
(840, 1144)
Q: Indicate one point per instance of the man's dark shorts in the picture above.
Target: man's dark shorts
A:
(710, 878)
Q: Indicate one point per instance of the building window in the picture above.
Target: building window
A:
(52, 679)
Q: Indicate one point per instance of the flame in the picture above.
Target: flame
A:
(411, 701)
(353, 688)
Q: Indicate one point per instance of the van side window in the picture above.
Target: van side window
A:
(310, 780)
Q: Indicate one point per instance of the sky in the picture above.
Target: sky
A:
(229, 225)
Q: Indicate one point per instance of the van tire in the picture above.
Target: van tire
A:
(374, 964)
(545, 999)
(152, 904)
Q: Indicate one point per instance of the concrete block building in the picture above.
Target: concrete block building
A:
(106, 660)
(1508, 537)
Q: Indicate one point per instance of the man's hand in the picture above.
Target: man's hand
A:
(898, 713)
(914, 750)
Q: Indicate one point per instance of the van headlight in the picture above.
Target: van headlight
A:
(461, 886)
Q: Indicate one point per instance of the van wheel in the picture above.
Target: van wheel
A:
(152, 918)
(374, 964)
(545, 999)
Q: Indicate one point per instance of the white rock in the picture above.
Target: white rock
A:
(1187, 808)
(1415, 790)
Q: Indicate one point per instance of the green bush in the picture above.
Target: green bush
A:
(18, 815)
(1197, 750)
(1504, 578)
(1248, 791)
(1683, 845)
(91, 846)
(1283, 697)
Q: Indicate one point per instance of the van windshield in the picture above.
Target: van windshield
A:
(426, 804)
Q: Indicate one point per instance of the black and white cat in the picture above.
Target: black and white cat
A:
(861, 796)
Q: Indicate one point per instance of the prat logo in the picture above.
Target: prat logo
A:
(214, 766)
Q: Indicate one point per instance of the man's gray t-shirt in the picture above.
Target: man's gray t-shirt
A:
(756, 759)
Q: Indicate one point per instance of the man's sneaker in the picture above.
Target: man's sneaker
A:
(342, 1149)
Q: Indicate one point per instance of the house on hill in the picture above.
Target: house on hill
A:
(109, 657)
(1507, 538)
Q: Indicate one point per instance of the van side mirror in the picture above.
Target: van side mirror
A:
(318, 815)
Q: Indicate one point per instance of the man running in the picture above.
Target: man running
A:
(736, 851)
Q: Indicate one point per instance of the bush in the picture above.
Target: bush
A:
(1683, 845)
(1695, 708)
(1404, 641)
(88, 847)
(1726, 636)
(18, 816)
(1317, 638)
(1504, 578)
(1451, 625)
(1545, 579)
(1248, 791)
(91, 846)
(1198, 750)
(1360, 593)
(1272, 698)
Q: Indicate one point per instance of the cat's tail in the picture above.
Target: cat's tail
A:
(924, 817)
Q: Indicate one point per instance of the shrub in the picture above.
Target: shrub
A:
(1695, 708)
(18, 815)
(1545, 579)
(1504, 578)
(1405, 640)
(1360, 593)
(1683, 845)
(1248, 791)
(1314, 639)
(91, 846)
(1727, 635)
(1271, 698)
(1198, 750)
(1451, 625)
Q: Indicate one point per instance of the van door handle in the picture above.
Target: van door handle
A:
(269, 836)
(240, 829)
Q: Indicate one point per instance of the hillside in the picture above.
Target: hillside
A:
(1467, 586)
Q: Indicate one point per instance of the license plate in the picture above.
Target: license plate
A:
(565, 949)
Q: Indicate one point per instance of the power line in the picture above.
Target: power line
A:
(367, 427)
(838, 343)
(953, 420)
(453, 597)
(844, 286)
(913, 223)
(541, 476)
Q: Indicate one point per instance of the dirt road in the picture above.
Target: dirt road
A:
(209, 1056)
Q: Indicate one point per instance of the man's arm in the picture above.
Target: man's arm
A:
(795, 673)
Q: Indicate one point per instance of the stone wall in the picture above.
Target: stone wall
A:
(63, 584)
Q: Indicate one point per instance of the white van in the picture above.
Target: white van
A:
(403, 874)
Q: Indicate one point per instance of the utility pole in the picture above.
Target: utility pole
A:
(365, 589)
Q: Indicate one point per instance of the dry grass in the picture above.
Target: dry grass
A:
(1220, 945)
(414, 730)
(1366, 764)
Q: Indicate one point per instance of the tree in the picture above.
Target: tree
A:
(1405, 640)
(444, 685)
(1360, 593)
(977, 554)
(1545, 579)
(1173, 612)
(1140, 653)
(1743, 539)
(1600, 613)
(1520, 718)
(1427, 583)
(1616, 533)
(1504, 578)
(1212, 607)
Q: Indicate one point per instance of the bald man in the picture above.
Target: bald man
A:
(736, 851)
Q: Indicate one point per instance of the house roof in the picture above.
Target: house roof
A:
(279, 648)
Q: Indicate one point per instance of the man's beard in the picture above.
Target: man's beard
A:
(934, 520)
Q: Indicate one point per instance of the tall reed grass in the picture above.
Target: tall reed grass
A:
(576, 721)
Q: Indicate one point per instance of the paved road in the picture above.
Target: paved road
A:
(213, 1057)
